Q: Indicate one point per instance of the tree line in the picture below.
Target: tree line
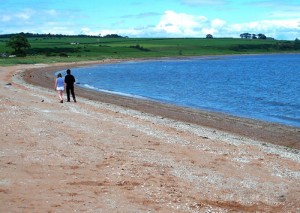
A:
(247, 36)
(254, 36)
(49, 35)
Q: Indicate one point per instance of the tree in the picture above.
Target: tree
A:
(261, 36)
(19, 43)
(297, 44)
(209, 36)
(245, 35)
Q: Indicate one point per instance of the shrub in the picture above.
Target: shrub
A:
(140, 48)
(63, 55)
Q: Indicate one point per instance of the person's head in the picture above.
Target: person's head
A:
(59, 75)
(68, 71)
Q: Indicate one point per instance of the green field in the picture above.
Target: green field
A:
(67, 49)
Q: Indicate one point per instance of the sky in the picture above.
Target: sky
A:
(279, 19)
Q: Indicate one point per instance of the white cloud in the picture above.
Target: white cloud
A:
(180, 24)
(174, 24)
(25, 14)
(203, 2)
(56, 27)
(217, 23)
(285, 14)
(267, 26)
(121, 32)
(185, 25)
(88, 31)
(51, 12)
(5, 18)
(171, 24)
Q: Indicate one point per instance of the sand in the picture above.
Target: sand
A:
(107, 153)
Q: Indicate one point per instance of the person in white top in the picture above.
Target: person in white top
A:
(59, 86)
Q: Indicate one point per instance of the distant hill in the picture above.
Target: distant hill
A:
(49, 35)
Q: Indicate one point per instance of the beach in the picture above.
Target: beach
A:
(108, 153)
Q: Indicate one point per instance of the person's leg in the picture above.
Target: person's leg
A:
(60, 95)
(68, 94)
(73, 94)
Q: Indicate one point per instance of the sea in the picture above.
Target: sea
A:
(262, 87)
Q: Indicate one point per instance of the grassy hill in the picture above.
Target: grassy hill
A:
(76, 48)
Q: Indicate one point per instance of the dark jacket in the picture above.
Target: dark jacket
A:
(69, 80)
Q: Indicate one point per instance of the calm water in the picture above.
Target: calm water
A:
(265, 87)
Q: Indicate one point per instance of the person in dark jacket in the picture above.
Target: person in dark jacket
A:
(70, 80)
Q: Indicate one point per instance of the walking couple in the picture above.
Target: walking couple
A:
(60, 84)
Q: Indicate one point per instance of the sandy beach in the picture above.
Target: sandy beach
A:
(108, 153)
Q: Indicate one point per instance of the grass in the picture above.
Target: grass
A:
(50, 50)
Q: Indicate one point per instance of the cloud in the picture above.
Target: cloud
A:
(123, 32)
(51, 12)
(185, 25)
(203, 2)
(280, 9)
(218, 23)
(5, 18)
(178, 24)
(88, 31)
(283, 29)
(171, 24)
(141, 15)
(267, 26)
(25, 14)
(287, 13)
(174, 24)
(38, 21)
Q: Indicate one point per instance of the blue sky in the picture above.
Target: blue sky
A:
(153, 18)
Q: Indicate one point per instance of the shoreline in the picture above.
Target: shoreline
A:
(274, 133)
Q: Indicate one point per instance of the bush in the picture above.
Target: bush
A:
(140, 48)
(63, 55)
